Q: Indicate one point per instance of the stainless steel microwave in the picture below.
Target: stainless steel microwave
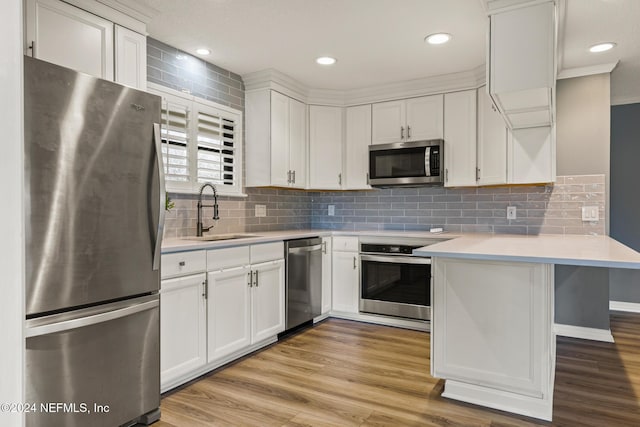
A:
(407, 163)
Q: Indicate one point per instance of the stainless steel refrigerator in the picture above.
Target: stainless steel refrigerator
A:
(94, 209)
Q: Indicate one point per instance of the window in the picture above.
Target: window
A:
(201, 142)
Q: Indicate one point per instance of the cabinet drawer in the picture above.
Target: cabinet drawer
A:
(343, 243)
(218, 259)
(267, 252)
(183, 263)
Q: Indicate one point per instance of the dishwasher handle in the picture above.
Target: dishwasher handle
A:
(305, 249)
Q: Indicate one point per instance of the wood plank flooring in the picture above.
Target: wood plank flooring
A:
(344, 373)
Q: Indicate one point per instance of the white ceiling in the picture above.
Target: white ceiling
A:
(381, 41)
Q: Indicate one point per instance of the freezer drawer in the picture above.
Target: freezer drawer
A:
(102, 365)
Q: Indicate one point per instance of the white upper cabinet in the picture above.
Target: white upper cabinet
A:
(276, 140)
(325, 147)
(298, 143)
(492, 142)
(412, 119)
(424, 118)
(131, 58)
(460, 138)
(356, 147)
(522, 63)
(71, 37)
(83, 40)
(531, 155)
(389, 121)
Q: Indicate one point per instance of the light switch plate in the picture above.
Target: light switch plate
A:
(331, 210)
(511, 212)
(590, 213)
(261, 210)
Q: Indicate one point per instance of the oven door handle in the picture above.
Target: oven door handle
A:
(396, 259)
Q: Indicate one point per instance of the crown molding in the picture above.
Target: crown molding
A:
(126, 13)
(278, 81)
(623, 100)
(498, 6)
(569, 73)
(132, 8)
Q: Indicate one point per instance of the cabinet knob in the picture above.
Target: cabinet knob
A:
(182, 263)
(250, 279)
(408, 131)
(355, 263)
(293, 174)
(401, 132)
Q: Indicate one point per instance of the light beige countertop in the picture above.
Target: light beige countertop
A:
(594, 251)
(184, 244)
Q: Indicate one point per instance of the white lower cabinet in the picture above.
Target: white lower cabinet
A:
(491, 333)
(183, 316)
(183, 326)
(246, 297)
(229, 327)
(218, 305)
(267, 300)
(326, 274)
(345, 275)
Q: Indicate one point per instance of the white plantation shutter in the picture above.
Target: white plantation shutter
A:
(175, 141)
(201, 142)
(217, 156)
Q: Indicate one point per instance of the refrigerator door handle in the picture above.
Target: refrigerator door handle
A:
(89, 319)
(158, 143)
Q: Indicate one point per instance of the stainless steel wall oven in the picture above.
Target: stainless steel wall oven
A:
(393, 282)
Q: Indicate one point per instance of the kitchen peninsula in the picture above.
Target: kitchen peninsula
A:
(492, 320)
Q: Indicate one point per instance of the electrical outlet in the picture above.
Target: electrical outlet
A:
(261, 210)
(511, 212)
(590, 213)
(331, 210)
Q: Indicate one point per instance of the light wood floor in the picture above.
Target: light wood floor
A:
(343, 373)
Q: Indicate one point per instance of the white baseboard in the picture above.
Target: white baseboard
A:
(593, 334)
(632, 307)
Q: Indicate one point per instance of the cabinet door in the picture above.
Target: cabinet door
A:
(183, 327)
(267, 300)
(492, 142)
(356, 147)
(346, 281)
(279, 139)
(70, 37)
(424, 118)
(325, 147)
(460, 138)
(531, 155)
(326, 274)
(131, 58)
(388, 122)
(298, 143)
(228, 315)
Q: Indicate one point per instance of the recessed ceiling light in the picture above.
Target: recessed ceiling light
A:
(601, 47)
(203, 51)
(437, 38)
(326, 60)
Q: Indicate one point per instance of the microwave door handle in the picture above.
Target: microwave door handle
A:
(427, 161)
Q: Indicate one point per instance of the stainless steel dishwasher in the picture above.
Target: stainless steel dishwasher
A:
(303, 280)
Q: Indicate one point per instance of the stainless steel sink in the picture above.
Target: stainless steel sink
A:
(215, 237)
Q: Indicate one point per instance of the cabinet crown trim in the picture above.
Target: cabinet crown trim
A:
(281, 82)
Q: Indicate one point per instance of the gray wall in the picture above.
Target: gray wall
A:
(173, 68)
(582, 139)
(625, 203)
